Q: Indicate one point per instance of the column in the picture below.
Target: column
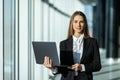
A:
(99, 22)
(111, 29)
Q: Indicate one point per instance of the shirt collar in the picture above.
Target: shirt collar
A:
(75, 38)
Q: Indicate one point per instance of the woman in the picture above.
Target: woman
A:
(79, 51)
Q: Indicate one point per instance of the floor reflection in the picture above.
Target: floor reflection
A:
(110, 69)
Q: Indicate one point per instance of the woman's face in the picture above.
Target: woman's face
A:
(78, 24)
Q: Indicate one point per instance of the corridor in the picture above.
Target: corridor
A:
(25, 21)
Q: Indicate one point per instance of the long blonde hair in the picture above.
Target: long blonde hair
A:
(71, 31)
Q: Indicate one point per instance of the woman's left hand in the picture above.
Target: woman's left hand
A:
(77, 67)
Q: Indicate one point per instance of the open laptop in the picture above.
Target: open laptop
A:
(42, 49)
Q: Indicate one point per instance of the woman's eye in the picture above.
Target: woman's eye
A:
(75, 21)
(82, 21)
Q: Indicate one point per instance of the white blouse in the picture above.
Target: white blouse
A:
(78, 50)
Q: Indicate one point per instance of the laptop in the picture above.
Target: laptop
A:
(42, 49)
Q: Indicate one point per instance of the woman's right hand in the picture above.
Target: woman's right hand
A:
(48, 62)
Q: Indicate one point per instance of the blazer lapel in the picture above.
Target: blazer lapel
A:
(85, 47)
(70, 44)
(70, 49)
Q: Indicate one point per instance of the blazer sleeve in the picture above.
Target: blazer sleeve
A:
(95, 65)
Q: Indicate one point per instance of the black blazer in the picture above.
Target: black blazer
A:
(90, 58)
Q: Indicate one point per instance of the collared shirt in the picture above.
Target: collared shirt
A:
(78, 49)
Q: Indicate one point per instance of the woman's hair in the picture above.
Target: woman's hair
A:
(71, 31)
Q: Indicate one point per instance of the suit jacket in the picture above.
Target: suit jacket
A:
(90, 58)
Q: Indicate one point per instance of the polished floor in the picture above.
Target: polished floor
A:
(110, 69)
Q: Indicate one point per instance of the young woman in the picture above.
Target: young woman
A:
(79, 51)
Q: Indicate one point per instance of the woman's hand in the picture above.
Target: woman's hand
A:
(77, 67)
(48, 62)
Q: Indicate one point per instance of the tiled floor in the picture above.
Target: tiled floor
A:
(110, 69)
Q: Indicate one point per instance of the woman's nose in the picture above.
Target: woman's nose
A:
(79, 24)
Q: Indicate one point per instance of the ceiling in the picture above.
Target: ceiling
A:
(89, 1)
